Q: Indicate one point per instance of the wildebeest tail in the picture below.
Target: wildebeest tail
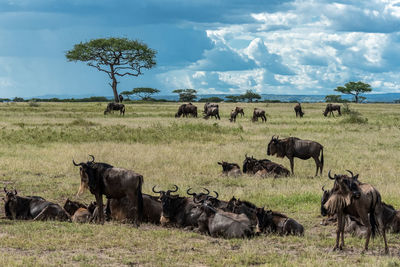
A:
(322, 157)
(372, 219)
(140, 199)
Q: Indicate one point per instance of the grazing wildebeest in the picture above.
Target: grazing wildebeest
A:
(115, 106)
(259, 113)
(263, 167)
(209, 105)
(293, 147)
(233, 115)
(186, 109)
(104, 179)
(330, 108)
(230, 169)
(32, 208)
(181, 211)
(362, 201)
(79, 212)
(121, 98)
(298, 110)
(212, 111)
(240, 111)
(271, 221)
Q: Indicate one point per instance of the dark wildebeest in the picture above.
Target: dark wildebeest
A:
(362, 201)
(121, 98)
(259, 113)
(181, 211)
(212, 201)
(104, 179)
(186, 109)
(275, 222)
(230, 169)
(330, 108)
(298, 110)
(233, 115)
(115, 106)
(240, 111)
(293, 147)
(119, 209)
(32, 208)
(79, 212)
(209, 105)
(263, 167)
(212, 111)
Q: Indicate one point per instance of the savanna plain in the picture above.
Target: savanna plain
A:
(38, 143)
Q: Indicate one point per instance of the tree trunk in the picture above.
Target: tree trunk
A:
(356, 97)
(114, 85)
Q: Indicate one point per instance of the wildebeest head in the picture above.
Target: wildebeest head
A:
(346, 185)
(249, 163)
(264, 220)
(169, 202)
(10, 195)
(72, 206)
(86, 173)
(198, 196)
(325, 196)
(274, 147)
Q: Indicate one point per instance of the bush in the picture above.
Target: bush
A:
(33, 104)
(352, 116)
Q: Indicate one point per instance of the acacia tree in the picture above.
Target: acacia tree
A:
(186, 95)
(354, 88)
(250, 95)
(127, 94)
(144, 93)
(117, 57)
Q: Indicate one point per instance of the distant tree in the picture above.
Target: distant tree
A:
(186, 95)
(126, 94)
(333, 99)
(144, 93)
(18, 99)
(354, 88)
(115, 56)
(232, 98)
(397, 101)
(250, 95)
(5, 99)
(214, 99)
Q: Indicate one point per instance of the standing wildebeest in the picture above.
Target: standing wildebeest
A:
(330, 108)
(294, 147)
(121, 98)
(186, 109)
(259, 113)
(32, 207)
(362, 201)
(240, 111)
(230, 169)
(209, 105)
(233, 115)
(104, 179)
(212, 111)
(115, 106)
(298, 110)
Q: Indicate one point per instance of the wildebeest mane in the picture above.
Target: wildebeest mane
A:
(337, 202)
(94, 172)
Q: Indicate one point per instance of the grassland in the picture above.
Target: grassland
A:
(39, 143)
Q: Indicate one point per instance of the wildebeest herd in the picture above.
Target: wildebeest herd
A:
(355, 206)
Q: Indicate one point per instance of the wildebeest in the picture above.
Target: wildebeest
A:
(186, 109)
(230, 169)
(330, 108)
(259, 113)
(32, 208)
(121, 98)
(240, 111)
(362, 201)
(293, 147)
(79, 212)
(271, 221)
(298, 110)
(263, 167)
(115, 106)
(233, 116)
(212, 111)
(176, 210)
(209, 105)
(104, 179)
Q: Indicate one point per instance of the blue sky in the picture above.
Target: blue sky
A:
(213, 46)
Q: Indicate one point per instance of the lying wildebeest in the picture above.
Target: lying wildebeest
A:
(79, 212)
(298, 110)
(180, 211)
(263, 167)
(225, 224)
(259, 113)
(271, 221)
(115, 106)
(119, 209)
(330, 108)
(230, 169)
(212, 111)
(32, 208)
(186, 109)
(211, 200)
(104, 179)
(293, 147)
(362, 201)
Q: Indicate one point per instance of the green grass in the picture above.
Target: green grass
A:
(38, 143)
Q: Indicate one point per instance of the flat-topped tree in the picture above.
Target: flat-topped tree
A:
(114, 56)
(355, 88)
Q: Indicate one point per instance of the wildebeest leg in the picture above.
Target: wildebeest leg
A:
(382, 229)
(218, 116)
(366, 222)
(291, 159)
(318, 164)
(99, 201)
(340, 222)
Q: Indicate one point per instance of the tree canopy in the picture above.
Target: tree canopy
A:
(114, 56)
(144, 92)
(354, 88)
(334, 99)
(250, 95)
(186, 95)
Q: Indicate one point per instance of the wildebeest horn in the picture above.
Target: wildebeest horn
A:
(329, 175)
(352, 175)
(323, 188)
(92, 158)
(190, 194)
(216, 194)
(76, 164)
(208, 191)
(173, 191)
(157, 192)
(5, 190)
